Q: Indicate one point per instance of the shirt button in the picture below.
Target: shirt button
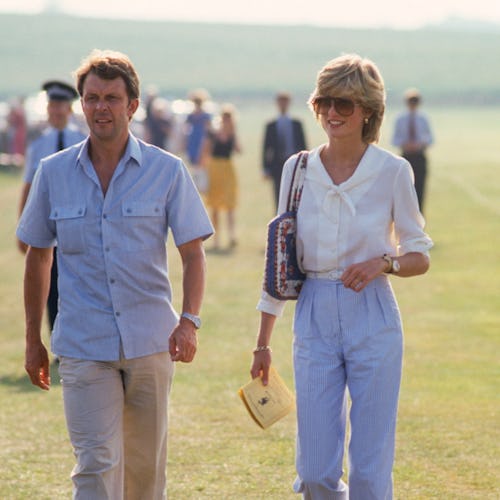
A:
(129, 210)
(112, 281)
(107, 249)
(104, 216)
(117, 313)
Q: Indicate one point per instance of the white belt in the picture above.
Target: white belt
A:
(326, 275)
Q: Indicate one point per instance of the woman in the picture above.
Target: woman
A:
(221, 143)
(357, 222)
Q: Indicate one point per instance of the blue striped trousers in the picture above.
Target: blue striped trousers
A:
(352, 342)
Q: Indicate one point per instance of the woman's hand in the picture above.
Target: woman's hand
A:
(261, 364)
(357, 276)
(262, 353)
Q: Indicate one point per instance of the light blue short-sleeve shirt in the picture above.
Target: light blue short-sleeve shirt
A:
(114, 290)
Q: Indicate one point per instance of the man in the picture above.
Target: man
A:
(283, 137)
(58, 135)
(109, 203)
(412, 133)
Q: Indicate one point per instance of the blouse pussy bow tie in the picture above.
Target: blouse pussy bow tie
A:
(334, 195)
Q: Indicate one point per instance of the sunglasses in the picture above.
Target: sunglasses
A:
(343, 106)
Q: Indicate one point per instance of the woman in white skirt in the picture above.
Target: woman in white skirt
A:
(358, 222)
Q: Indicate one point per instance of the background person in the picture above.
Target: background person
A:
(222, 192)
(412, 133)
(283, 137)
(357, 221)
(59, 134)
(158, 122)
(109, 204)
(17, 130)
(197, 124)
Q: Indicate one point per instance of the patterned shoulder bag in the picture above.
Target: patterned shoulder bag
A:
(283, 277)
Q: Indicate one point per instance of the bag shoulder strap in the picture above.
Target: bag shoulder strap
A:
(299, 175)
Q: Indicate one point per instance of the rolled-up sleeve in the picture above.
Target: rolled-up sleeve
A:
(270, 305)
(408, 221)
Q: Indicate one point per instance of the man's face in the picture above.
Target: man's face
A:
(283, 104)
(58, 113)
(107, 108)
(413, 103)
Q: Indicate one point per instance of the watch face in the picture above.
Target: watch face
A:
(395, 266)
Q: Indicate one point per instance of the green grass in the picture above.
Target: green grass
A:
(447, 443)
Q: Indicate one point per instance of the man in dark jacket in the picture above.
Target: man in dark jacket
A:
(284, 136)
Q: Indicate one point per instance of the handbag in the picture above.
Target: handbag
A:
(283, 277)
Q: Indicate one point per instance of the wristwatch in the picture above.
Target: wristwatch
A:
(393, 263)
(194, 319)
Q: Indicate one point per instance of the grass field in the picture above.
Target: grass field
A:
(448, 437)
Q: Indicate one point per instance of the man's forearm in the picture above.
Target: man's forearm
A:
(194, 271)
(36, 290)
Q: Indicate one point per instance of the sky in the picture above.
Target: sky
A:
(398, 14)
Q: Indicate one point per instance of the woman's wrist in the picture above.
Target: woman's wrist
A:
(262, 348)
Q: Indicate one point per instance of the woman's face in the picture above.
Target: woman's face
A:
(341, 117)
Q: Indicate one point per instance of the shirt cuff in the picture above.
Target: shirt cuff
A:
(28, 239)
(420, 245)
(271, 305)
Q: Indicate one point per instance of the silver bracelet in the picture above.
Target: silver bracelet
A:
(262, 348)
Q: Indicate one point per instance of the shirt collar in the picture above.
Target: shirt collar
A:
(366, 169)
(350, 190)
(132, 151)
(284, 118)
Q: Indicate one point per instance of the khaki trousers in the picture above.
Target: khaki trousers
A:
(116, 414)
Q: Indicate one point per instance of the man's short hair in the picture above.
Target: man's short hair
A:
(108, 65)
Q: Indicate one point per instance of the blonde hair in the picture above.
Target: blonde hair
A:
(359, 79)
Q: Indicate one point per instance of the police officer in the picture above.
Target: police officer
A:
(59, 134)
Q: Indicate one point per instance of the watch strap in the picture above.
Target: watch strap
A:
(196, 320)
(390, 261)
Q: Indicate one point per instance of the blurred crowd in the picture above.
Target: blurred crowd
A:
(198, 129)
(159, 121)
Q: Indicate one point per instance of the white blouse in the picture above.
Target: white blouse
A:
(373, 212)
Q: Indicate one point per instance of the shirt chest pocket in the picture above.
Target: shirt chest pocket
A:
(70, 228)
(144, 224)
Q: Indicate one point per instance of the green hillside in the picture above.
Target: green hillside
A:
(451, 67)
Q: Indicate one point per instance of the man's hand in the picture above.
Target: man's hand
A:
(183, 342)
(413, 147)
(37, 365)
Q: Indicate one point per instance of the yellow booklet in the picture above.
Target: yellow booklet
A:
(267, 403)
